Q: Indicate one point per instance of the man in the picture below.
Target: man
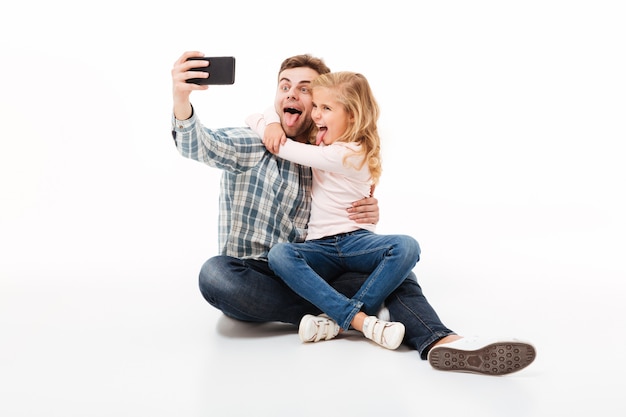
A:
(265, 200)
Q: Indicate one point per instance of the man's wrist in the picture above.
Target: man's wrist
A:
(181, 122)
(185, 114)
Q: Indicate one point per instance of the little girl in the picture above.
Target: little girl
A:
(346, 166)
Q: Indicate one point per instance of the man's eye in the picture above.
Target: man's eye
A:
(304, 90)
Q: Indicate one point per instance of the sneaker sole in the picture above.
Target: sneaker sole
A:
(494, 359)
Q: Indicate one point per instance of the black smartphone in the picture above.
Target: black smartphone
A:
(221, 71)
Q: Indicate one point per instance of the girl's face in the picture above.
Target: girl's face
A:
(329, 116)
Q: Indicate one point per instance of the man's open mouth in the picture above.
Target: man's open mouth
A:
(291, 116)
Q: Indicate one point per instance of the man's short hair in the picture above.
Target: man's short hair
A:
(305, 60)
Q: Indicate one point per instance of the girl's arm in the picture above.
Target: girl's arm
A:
(267, 125)
(328, 158)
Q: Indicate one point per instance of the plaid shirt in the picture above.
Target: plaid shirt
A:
(264, 200)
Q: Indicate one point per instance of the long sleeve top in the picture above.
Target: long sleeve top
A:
(336, 183)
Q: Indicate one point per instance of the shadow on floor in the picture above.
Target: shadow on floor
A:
(240, 329)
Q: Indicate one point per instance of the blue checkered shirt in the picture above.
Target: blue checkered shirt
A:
(264, 200)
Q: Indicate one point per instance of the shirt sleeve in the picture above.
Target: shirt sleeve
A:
(258, 122)
(331, 158)
(234, 149)
(271, 116)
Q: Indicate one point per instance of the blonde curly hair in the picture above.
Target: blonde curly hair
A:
(354, 93)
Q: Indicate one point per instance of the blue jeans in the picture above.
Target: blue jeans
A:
(305, 267)
(248, 290)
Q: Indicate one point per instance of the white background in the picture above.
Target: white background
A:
(503, 130)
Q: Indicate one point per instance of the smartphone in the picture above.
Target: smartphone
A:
(221, 71)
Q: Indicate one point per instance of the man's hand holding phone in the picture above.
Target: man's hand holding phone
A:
(218, 70)
(193, 71)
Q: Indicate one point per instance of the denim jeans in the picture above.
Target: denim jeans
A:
(304, 267)
(248, 290)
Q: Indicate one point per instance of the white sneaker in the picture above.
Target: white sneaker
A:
(385, 333)
(315, 328)
(482, 356)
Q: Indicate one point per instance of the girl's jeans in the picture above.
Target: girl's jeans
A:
(248, 290)
(388, 259)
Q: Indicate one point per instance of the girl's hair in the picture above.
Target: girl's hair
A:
(353, 91)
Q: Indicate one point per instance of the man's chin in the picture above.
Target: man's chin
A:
(291, 132)
(297, 131)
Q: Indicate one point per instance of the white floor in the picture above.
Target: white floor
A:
(133, 337)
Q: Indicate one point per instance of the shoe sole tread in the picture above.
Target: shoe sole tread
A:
(493, 359)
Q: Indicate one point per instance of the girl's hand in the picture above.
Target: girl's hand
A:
(273, 137)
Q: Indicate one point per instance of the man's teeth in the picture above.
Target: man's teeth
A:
(292, 111)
